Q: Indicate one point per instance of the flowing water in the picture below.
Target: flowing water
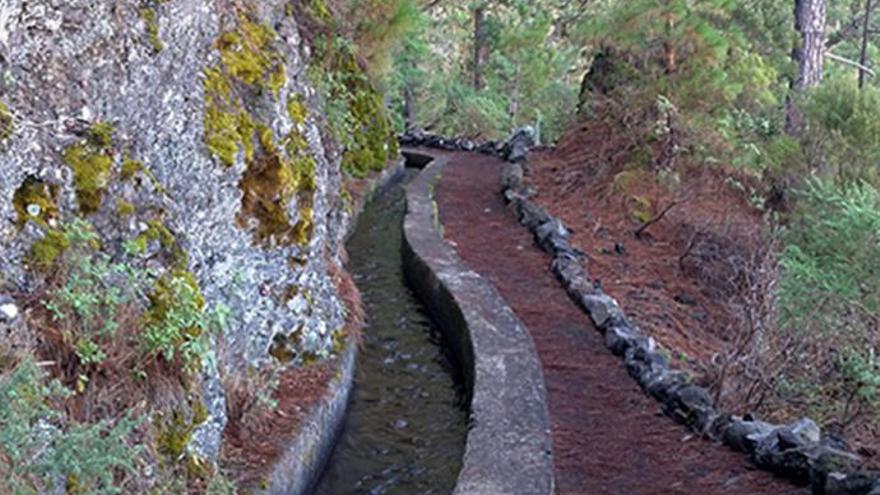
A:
(407, 420)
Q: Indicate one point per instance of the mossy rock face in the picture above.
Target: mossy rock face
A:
(92, 163)
(276, 172)
(365, 132)
(249, 62)
(229, 199)
(35, 200)
(148, 14)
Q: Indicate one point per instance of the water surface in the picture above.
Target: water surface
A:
(406, 426)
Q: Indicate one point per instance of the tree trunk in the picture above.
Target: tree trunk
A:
(810, 19)
(513, 97)
(863, 58)
(481, 46)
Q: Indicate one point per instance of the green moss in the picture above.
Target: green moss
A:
(296, 109)
(302, 231)
(319, 10)
(7, 123)
(91, 164)
(249, 62)
(157, 232)
(34, 191)
(248, 56)
(176, 432)
(124, 208)
(221, 134)
(268, 185)
(148, 14)
(363, 127)
(130, 168)
(273, 178)
(46, 251)
(100, 135)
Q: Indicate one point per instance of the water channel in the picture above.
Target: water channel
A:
(407, 421)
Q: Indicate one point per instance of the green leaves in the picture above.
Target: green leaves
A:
(36, 453)
(830, 293)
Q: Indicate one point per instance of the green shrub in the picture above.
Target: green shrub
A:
(38, 451)
(94, 289)
(843, 126)
(177, 323)
(830, 296)
(97, 295)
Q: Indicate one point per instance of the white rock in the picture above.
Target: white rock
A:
(8, 311)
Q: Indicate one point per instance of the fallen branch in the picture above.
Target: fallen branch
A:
(641, 230)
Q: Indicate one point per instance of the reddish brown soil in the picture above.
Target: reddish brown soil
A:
(254, 444)
(587, 182)
(608, 436)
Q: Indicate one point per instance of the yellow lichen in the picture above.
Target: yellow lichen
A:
(248, 56)
(35, 200)
(91, 164)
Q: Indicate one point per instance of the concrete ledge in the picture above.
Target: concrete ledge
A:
(301, 465)
(509, 449)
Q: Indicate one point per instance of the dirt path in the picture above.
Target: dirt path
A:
(609, 438)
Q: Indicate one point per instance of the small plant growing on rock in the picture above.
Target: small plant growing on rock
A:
(39, 455)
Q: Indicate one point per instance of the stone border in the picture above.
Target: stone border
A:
(509, 449)
(797, 451)
(300, 467)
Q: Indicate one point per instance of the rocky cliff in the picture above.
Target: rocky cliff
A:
(186, 139)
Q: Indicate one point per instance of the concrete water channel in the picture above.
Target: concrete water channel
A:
(406, 426)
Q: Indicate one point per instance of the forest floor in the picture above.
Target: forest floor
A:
(608, 436)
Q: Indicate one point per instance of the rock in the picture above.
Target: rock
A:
(620, 337)
(685, 299)
(619, 249)
(487, 148)
(665, 385)
(532, 215)
(743, 435)
(466, 145)
(837, 483)
(694, 407)
(8, 310)
(789, 450)
(602, 308)
(567, 267)
(552, 227)
(99, 69)
(643, 362)
(516, 148)
(825, 461)
(511, 176)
